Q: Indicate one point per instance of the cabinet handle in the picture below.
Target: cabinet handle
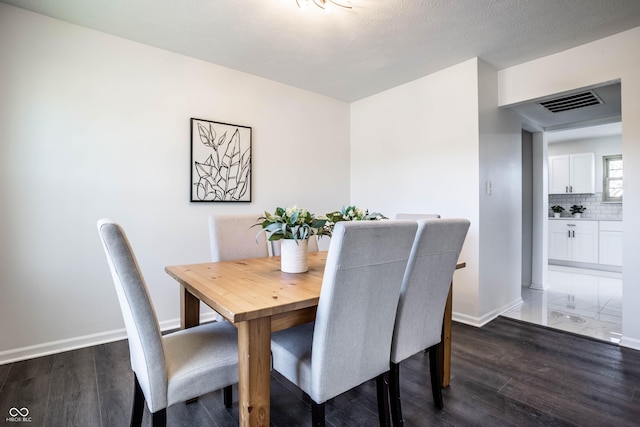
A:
(573, 234)
(569, 232)
(566, 189)
(571, 189)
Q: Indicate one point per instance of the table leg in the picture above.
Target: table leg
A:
(189, 309)
(254, 376)
(444, 350)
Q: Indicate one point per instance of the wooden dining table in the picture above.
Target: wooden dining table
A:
(258, 299)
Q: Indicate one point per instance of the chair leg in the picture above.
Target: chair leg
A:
(138, 403)
(159, 419)
(317, 414)
(394, 393)
(434, 363)
(228, 396)
(382, 386)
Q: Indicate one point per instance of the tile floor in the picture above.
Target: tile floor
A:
(586, 302)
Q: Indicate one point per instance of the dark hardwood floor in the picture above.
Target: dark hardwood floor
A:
(507, 373)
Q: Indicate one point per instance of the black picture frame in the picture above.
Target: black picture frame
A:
(220, 162)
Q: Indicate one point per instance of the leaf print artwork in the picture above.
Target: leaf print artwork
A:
(220, 164)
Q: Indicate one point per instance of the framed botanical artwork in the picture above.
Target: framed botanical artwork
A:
(220, 162)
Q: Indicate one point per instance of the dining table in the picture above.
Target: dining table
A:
(258, 299)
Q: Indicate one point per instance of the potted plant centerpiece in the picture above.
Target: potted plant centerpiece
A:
(577, 210)
(349, 213)
(352, 213)
(557, 210)
(293, 226)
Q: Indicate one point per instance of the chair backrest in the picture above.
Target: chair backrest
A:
(425, 286)
(416, 216)
(234, 237)
(141, 323)
(358, 301)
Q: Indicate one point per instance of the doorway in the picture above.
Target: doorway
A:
(568, 296)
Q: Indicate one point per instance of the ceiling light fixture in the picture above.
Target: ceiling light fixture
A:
(325, 5)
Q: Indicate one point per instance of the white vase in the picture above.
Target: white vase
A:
(293, 255)
(556, 214)
(577, 215)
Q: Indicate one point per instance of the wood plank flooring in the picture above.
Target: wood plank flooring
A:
(507, 373)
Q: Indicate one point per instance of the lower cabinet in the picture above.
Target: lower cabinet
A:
(576, 241)
(610, 243)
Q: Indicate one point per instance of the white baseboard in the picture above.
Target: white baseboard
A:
(630, 343)
(54, 347)
(586, 265)
(538, 286)
(488, 317)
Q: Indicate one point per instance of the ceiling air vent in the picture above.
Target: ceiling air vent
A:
(572, 102)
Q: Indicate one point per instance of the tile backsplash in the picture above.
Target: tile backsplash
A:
(593, 202)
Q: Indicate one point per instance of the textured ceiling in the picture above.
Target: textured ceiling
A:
(350, 54)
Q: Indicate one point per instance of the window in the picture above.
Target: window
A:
(612, 172)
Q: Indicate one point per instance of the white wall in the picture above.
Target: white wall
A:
(92, 125)
(606, 60)
(430, 146)
(500, 201)
(527, 207)
(540, 247)
(414, 148)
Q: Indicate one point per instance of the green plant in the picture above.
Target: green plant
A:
(291, 223)
(577, 209)
(349, 213)
(557, 209)
(352, 213)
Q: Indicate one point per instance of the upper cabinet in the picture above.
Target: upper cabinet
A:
(572, 173)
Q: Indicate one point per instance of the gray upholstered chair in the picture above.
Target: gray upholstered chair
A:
(167, 369)
(416, 216)
(423, 296)
(350, 340)
(232, 237)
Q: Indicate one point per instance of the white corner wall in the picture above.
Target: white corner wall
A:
(539, 243)
(500, 192)
(414, 148)
(95, 126)
(606, 60)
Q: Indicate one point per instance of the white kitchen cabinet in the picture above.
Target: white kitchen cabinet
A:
(610, 243)
(559, 241)
(571, 240)
(572, 173)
